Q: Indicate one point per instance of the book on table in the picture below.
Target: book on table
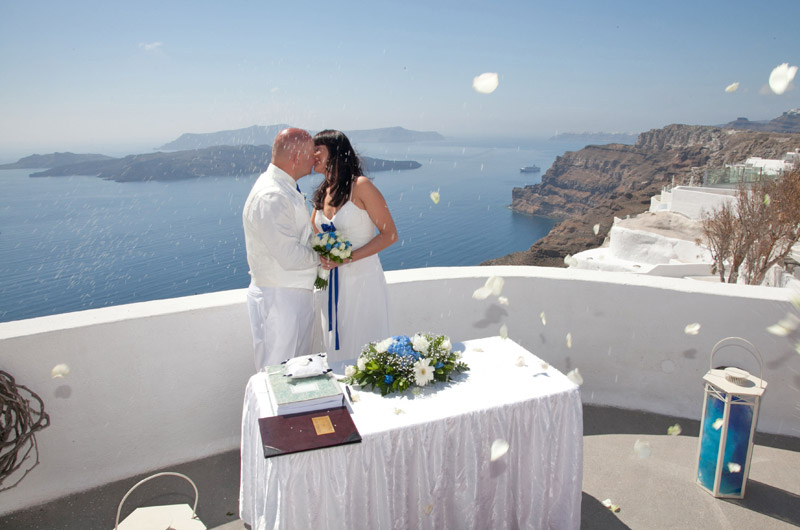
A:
(292, 396)
(281, 435)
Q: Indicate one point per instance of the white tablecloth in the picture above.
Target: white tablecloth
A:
(424, 461)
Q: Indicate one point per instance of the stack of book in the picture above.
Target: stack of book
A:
(292, 396)
(310, 413)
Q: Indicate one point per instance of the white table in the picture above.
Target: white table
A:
(424, 461)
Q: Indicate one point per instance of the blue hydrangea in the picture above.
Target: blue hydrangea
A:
(388, 379)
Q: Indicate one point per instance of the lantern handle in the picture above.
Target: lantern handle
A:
(752, 350)
(151, 477)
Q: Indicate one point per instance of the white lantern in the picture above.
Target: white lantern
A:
(730, 415)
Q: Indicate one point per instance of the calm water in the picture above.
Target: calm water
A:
(73, 243)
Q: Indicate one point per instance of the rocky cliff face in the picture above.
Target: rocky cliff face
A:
(597, 183)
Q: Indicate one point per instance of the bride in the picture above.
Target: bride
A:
(348, 202)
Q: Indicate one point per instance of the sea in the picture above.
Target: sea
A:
(75, 243)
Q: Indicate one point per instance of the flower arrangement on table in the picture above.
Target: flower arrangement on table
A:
(331, 245)
(399, 362)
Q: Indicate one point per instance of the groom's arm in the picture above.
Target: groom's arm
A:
(276, 225)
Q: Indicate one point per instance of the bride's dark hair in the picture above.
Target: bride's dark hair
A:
(343, 166)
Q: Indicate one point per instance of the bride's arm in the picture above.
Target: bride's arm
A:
(314, 221)
(367, 197)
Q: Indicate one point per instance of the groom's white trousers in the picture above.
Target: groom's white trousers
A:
(282, 320)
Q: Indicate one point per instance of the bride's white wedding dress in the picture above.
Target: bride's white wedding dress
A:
(363, 311)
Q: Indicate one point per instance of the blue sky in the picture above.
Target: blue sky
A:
(92, 74)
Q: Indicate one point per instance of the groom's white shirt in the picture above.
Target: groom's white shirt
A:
(277, 233)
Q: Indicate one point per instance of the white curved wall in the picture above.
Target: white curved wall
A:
(158, 383)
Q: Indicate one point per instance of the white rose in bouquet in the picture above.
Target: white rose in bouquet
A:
(446, 346)
(420, 343)
(383, 345)
(362, 365)
(349, 370)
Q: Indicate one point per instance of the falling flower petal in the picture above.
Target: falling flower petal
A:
(642, 448)
(780, 77)
(692, 329)
(733, 467)
(733, 87)
(428, 509)
(767, 200)
(544, 320)
(504, 331)
(795, 300)
(777, 329)
(569, 340)
(485, 83)
(717, 424)
(608, 504)
(575, 377)
(477, 349)
(545, 366)
(435, 197)
(499, 449)
(481, 293)
(791, 322)
(399, 411)
(674, 430)
(355, 397)
(521, 361)
(503, 300)
(570, 261)
(59, 370)
(596, 229)
(495, 283)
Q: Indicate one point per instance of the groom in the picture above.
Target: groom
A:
(277, 233)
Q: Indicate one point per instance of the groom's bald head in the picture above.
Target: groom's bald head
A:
(293, 152)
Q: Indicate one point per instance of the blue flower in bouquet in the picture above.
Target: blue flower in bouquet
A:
(438, 365)
(401, 346)
(388, 379)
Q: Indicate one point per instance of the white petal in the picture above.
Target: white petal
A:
(545, 366)
(435, 197)
(399, 411)
(520, 361)
(596, 229)
(59, 370)
(642, 448)
(503, 300)
(355, 397)
(777, 329)
(733, 87)
(499, 449)
(544, 320)
(791, 322)
(575, 377)
(570, 261)
(692, 329)
(569, 340)
(428, 509)
(485, 83)
(717, 424)
(495, 283)
(733, 467)
(608, 504)
(504, 331)
(780, 77)
(767, 200)
(674, 430)
(481, 293)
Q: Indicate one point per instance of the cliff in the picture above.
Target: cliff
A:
(597, 183)
(789, 121)
(221, 161)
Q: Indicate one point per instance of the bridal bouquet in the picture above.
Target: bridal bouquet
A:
(396, 363)
(332, 246)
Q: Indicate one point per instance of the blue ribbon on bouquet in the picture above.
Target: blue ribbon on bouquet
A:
(333, 291)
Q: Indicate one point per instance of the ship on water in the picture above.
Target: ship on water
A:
(530, 169)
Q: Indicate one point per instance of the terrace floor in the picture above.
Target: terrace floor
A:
(653, 493)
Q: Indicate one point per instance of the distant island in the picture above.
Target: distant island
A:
(219, 161)
(596, 137)
(53, 159)
(265, 134)
(788, 122)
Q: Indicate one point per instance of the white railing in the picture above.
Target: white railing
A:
(159, 383)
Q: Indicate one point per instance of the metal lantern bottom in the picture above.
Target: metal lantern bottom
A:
(730, 415)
